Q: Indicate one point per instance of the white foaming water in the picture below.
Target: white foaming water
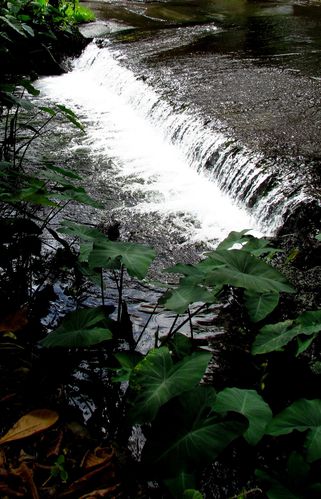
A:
(101, 90)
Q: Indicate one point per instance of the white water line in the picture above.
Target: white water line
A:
(180, 166)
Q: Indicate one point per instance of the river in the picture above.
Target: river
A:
(200, 118)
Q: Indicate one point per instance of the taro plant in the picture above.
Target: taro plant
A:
(186, 423)
(241, 268)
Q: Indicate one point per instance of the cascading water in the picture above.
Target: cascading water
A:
(171, 160)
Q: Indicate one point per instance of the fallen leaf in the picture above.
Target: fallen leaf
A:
(27, 476)
(101, 474)
(6, 491)
(2, 458)
(95, 494)
(30, 424)
(55, 448)
(100, 456)
(14, 322)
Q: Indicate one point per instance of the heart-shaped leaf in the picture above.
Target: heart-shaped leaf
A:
(251, 405)
(241, 269)
(188, 435)
(259, 305)
(156, 379)
(135, 257)
(302, 415)
(82, 328)
(274, 337)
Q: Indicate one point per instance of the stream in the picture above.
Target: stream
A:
(200, 118)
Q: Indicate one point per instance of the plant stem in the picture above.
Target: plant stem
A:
(145, 326)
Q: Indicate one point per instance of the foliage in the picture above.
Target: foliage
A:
(156, 379)
(82, 328)
(274, 337)
(186, 424)
(251, 405)
(302, 415)
(58, 469)
(240, 268)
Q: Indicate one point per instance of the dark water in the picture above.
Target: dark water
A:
(201, 118)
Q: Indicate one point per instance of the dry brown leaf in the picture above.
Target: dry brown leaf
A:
(27, 476)
(102, 473)
(100, 456)
(14, 322)
(30, 424)
(2, 458)
(6, 491)
(95, 494)
(55, 448)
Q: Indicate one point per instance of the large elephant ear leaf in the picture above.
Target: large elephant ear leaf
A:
(241, 269)
(184, 295)
(135, 257)
(274, 337)
(259, 305)
(82, 328)
(155, 380)
(302, 415)
(187, 434)
(251, 405)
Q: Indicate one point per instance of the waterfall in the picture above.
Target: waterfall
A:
(179, 161)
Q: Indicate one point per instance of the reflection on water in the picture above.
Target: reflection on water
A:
(280, 32)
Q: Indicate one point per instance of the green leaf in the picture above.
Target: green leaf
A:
(29, 87)
(275, 336)
(48, 110)
(277, 490)
(81, 328)
(90, 273)
(77, 194)
(258, 247)
(302, 415)
(297, 470)
(71, 116)
(234, 238)
(127, 361)
(84, 251)
(181, 345)
(186, 294)
(187, 435)
(82, 231)
(187, 270)
(259, 305)
(64, 172)
(243, 270)
(28, 29)
(34, 195)
(155, 380)
(304, 343)
(192, 494)
(14, 24)
(135, 257)
(251, 405)
(183, 481)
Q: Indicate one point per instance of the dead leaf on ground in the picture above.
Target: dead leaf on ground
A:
(14, 322)
(30, 424)
(102, 474)
(96, 494)
(55, 447)
(98, 457)
(27, 476)
(2, 458)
